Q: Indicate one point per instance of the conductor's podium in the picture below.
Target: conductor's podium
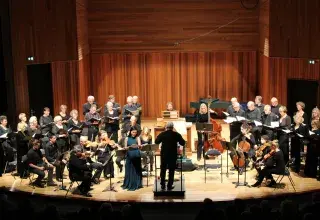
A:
(181, 126)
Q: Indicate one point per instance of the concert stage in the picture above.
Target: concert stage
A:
(217, 187)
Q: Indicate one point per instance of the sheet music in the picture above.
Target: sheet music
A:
(180, 127)
(311, 133)
(275, 124)
(240, 118)
(257, 123)
(226, 113)
(299, 135)
(4, 135)
(229, 120)
(286, 131)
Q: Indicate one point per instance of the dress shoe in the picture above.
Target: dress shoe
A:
(163, 187)
(170, 187)
(120, 168)
(272, 183)
(38, 184)
(51, 183)
(257, 184)
(95, 181)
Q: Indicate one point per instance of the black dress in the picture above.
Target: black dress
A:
(112, 124)
(201, 118)
(313, 153)
(297, 144)
(74, 136)
(283, 137)
(62, 142)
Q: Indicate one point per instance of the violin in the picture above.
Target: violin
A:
(259, 152)
(260, 164)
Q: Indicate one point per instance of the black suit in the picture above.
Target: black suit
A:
(169, 140)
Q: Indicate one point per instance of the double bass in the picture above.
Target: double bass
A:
(214, 138)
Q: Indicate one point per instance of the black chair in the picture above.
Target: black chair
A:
(287, 174)
(26, 171)
(72, 181)
(212, 154)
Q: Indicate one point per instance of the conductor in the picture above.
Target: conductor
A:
(169, 148)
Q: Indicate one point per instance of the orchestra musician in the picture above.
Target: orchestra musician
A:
(112, 121)
(246, 145)
(273, 164)
(169, 106)
(298, 142)
(300, 112)
(22, 125)
(133, 170)
(283, 137)
(38, 164)
(92, 120)
(169, 153)
(61, 131)
(105, 147)
(93, 165)
(275, 106)
(258, 103)
(147, 157)
(127, 110)
(52, 154)
(87, 106)
(63, 113)
(262, 150)
(138, 106)
(133, 123)
(79, 170)
(235, 126)
(45, 121)
(76, 128)
(267, 118)
(201, 117)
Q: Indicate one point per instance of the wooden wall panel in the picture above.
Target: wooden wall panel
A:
(264, 27)
(45, 30)
(178, 77)
(295, 28)
(82, 28)
(155, 25)
(277, 71)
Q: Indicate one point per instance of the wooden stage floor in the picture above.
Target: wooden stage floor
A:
(217, 188)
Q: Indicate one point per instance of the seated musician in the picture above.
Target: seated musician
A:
(133, 123)
(38, 164)
(63, 113)
(61, 131)
(169, 106)
(267, 118)
(22, 125)
(235, 126)
(74, 133)
(254, 114)
(52, 154)
(244, 140)
(147, 157)
(45, 121)
(111, 121)
(273, 164)
(79, 170)
(93, 165)
(263, 149)
(138, 106)
(127, 110)
(105, 147)
(87, 106)
(202, 117)
(93, 126)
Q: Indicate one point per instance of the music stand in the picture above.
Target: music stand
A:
(149, 148)
(245, 171)
(111, 187)
(227, 146)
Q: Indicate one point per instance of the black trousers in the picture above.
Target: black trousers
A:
(296, 147)
(267, 173)
(85, 179)
(108, 168)
(41, 173)
(167, 163)
(284, 146)
(118, 161)
(201, 138)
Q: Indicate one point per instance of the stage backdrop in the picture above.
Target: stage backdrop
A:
(178, 77)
